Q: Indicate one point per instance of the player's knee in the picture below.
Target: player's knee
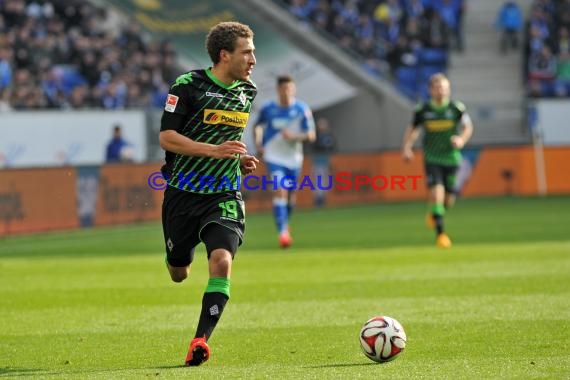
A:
(178, 274)
(221, 261)
(178, 277)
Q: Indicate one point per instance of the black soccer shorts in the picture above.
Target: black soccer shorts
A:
(441, 175)
(186, 215)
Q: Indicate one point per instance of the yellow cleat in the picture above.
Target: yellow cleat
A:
(443, 241)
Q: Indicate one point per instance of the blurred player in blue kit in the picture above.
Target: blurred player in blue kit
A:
(279, 132)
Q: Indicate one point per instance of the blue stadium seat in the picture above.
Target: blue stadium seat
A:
(547, 88)
(407, 74)
(407, 80)
(433, 56)
(426, 71)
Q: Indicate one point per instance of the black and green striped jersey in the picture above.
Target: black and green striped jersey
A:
(203, 109)
(439, 124)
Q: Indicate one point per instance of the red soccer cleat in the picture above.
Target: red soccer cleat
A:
(285, 239)
(198, 352)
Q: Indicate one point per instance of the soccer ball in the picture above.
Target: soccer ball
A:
(382, 339)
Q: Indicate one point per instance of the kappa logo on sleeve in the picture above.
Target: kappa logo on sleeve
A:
(171, 102)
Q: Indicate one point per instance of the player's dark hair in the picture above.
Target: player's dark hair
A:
(223, 36)
(284, 79)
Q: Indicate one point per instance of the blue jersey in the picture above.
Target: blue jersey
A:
(297, 118)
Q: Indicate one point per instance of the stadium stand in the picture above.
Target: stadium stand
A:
(70, 54)
(487, 81)
(547, 49)
(412, 37)
(405, 40)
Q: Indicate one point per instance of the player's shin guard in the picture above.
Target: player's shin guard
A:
(438, 211)
(214, 300)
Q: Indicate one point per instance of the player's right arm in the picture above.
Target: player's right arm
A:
(411, 135)
(175, 117)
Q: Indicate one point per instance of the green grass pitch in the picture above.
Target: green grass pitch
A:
(98, 304)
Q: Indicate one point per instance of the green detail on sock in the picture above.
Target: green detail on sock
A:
(438, 209)
(219, 285)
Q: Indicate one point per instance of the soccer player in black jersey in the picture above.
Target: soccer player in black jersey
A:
(204, 118)
(447, 128)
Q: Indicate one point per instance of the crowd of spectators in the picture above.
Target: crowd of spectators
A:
(547, 49)
(407, 40)
(70, 54)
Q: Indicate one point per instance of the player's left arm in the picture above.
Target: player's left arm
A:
(466, 131)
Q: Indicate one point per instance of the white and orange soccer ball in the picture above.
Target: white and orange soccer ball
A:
(382, 339)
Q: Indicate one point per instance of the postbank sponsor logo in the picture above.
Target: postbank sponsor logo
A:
(233, 118)
(439, 125)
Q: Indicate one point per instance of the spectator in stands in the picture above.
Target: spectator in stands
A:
(79, 97)
(414, 9)
(118, 148)
(349, 11)
(364, 27)
(395, 11)
(301, 8)
(323, 148)
(546, 6)
(540, 20)
(387, 18)
(542, 72)
(5, 73)
(402, 54)
(562, 13)
(114, 94)
(535, 40)
(321, 15)
(368, 49)
(413, 29)
(435, 31)
(449, 11)
(562, 86)
(509, 22)
(562, 43)
(542, 65)
(461, 7)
